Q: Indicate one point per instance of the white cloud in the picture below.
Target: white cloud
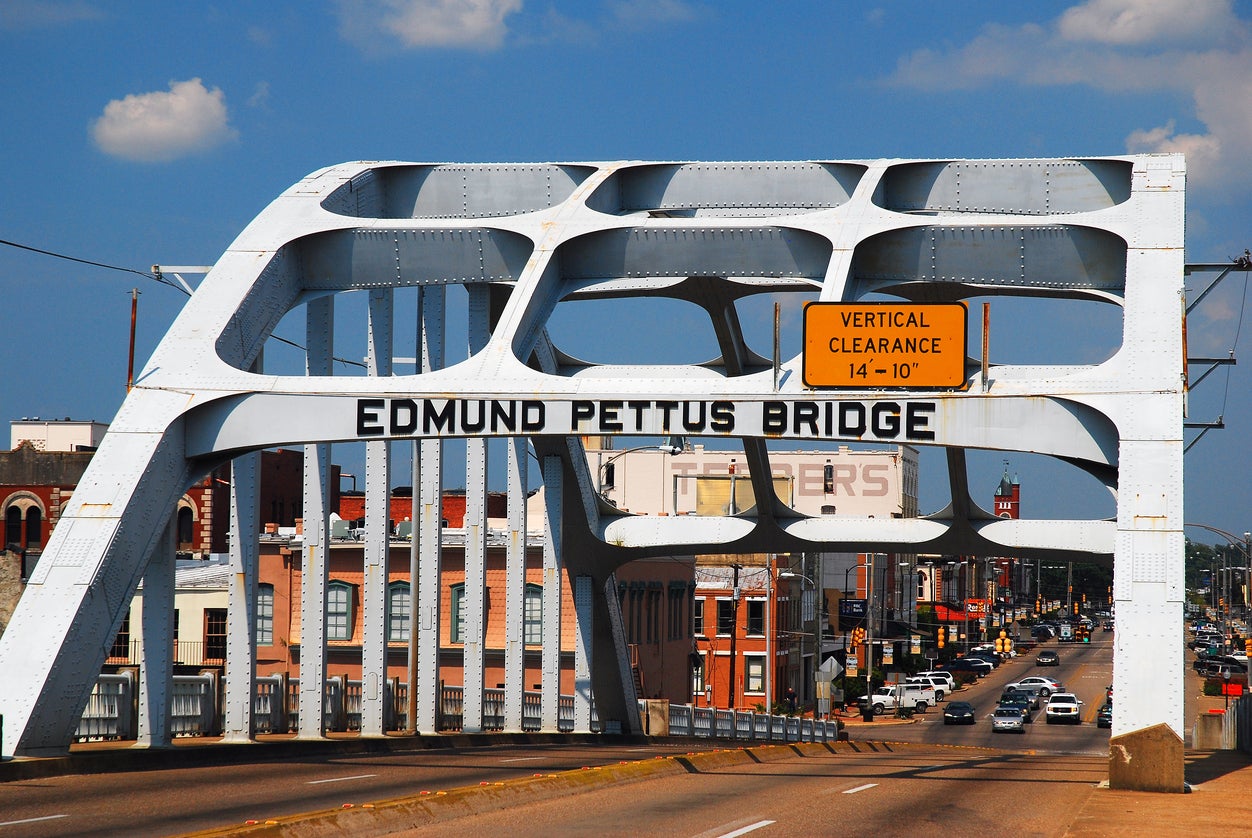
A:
(1126, 22)
(474, 24)
(1120, 46)
(159, 126)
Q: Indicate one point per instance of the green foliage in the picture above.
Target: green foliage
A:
(1212, 686)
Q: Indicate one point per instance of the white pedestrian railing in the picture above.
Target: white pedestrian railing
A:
(196, 710)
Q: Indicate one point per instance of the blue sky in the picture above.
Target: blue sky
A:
(141, 133)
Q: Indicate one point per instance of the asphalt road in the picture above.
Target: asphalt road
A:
(906, 790)
(922, 783)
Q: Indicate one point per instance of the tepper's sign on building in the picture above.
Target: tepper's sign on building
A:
(884, 344)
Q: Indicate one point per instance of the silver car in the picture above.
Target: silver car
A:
(1008, 719)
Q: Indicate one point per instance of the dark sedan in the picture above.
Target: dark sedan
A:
(1047, 658)
(959, 713)
(1104, 718)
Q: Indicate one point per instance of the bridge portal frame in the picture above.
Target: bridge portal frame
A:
(526, 237)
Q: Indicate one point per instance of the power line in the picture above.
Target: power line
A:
(147, 274)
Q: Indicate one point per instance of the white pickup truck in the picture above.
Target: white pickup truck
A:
(895, 696)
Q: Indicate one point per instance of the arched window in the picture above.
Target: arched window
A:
(457, 623)
(186, 521)
(13, 525)
(532, 633)
(265, 614)
(34, 522)
(398, 603)
(339, 611)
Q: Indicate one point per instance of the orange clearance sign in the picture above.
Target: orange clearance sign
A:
(884, 344)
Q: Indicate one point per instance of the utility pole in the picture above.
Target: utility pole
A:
(130, 362)
(869, 623)
(734, 631)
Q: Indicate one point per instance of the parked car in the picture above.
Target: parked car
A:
(1104, 716)
(948, 678)
(990, 657)
(979, 667)
(940, 685)
(959, 713)
(1045, 686)
(1047, 658)
(1063, 707)
(1007, 719)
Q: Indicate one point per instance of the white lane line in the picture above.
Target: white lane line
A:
(861, 788)
(33, 820)
(521, 759)
(341, 779)
(752, 827)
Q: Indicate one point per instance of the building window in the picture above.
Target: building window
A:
(338, 611)
(13, 525)
(34, 523)
(399, 601)
(725, 617)
(185, 521)
(532, 626)
(214, 634)
(697, 674)
(121, 642)
(457, 626)
(265, 614)
(697, 616)
(754, 673)
(756, 617)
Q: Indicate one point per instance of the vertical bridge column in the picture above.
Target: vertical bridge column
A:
(241, 601)
(156, 671)
(553, 570)
(474, 604)
(319, 328)
(426, 703)
(583, 644)
(515, 590)
(377, 532)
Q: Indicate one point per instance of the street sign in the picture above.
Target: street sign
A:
(913, 345)
(830, 668)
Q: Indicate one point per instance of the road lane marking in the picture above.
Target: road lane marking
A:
(752, 827)
(865, 787)
(521, 759)
(33, 820)
(342, 779)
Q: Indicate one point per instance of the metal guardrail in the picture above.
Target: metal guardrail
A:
(197, 710)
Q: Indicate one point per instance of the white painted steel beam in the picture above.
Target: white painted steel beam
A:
(241, 611)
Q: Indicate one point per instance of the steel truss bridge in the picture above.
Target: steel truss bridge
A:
(521, 239)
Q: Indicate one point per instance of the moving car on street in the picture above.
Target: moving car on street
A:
(1063, 707)
(1047, 657)
(1007, 719)
(1043, 685)
(959, 713)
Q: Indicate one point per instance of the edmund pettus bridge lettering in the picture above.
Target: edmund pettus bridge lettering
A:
(845, 419)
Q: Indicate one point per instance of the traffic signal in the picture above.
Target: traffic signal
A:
(1002, 642)
(1086, 635)
(858, 636)
(941, 637)
(1247, 645)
